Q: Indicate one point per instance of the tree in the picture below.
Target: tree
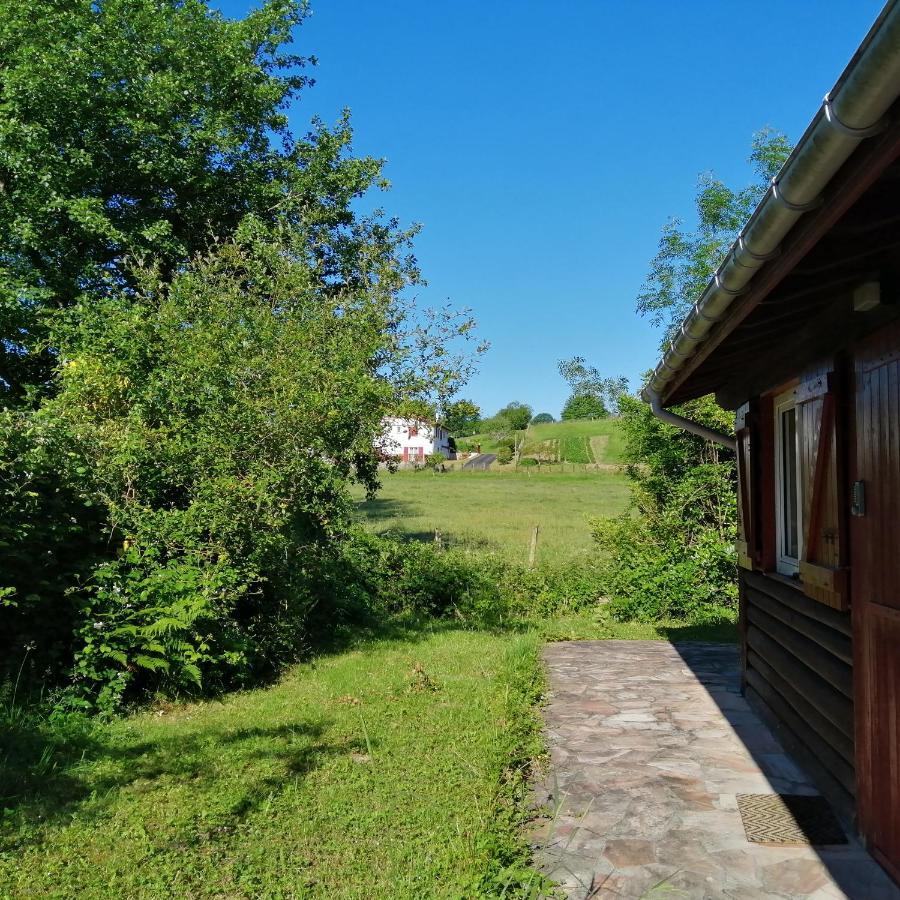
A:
(584, 406)
(138, 129)
(461, 418)
(201, 337)
(517, 414)
(677, 558)
(687, 259)
(542, 419)
(586, 381)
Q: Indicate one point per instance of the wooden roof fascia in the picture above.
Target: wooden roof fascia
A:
(857, 175)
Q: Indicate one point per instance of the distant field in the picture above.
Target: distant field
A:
(578, 441)
(496, 511)
(581, 442)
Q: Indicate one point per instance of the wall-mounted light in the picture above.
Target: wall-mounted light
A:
(867, 296)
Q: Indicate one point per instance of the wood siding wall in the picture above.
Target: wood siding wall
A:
(798, 671)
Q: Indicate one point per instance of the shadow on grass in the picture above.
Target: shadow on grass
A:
(378, 508)
(448, 540)
(50, 773)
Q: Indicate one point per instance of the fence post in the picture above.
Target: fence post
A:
(533, 550)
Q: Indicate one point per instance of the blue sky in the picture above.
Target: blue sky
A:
(543, 145)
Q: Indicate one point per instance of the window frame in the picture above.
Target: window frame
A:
(784, 563)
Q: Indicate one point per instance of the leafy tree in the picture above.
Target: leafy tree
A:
(461, 418)
(584, 406)
(200, 339)
(136, 129)
(517, 414)
(542, 419)
(687, 259)
(677, 558)
(586, 381)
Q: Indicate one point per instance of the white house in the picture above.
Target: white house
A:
(413, 440)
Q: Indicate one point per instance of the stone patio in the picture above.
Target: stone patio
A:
(650, 742)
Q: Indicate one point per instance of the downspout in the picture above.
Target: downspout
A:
(670, 418)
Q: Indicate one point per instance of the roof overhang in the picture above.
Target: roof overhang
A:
(852, 142)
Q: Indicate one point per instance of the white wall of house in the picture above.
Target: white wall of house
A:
(413, 440)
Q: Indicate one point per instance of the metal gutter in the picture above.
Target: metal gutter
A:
(852, 111)
(709, 434)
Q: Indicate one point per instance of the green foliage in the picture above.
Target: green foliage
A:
(675, 559)
(141, 129)
(518, 415)
(584, 406)
(480, 589)
(593, 395)
(200, 337)
(686, 260)
(461, 418)
(576, 448)
(435, 461)
(542, 419)
(162, 395)
(505, 454)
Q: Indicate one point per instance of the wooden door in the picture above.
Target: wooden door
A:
(875, 566)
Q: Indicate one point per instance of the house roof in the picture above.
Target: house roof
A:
(852, 141)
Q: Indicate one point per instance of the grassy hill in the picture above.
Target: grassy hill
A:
(597, 441)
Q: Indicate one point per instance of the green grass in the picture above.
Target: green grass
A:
(395, 769)
(575, 440)
(594, 625)
(392, 770)
(496, 511)
(579, 442)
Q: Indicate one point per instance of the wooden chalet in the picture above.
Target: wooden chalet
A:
(799, 333)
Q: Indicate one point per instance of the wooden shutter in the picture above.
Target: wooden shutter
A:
(747, 513)
(823, 573)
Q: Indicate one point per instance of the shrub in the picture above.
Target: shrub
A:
(435, 460)
(391, 576)
(675, 559)
(504, 454)
(527, 462)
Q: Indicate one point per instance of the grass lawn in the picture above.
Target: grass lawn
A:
(496, 511)
(390, 770)
(377, 772)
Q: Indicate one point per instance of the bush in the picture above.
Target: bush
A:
(504, 455)
(675, 559)
(435, 460)
(527, 462)
(390, 576)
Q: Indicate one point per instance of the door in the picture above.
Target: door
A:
(875, 566)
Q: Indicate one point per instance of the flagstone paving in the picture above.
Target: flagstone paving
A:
(649, 744)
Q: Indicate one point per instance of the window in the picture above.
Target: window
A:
(787, 485)
(413, 431)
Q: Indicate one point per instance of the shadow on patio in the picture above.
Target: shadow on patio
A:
(651, 743)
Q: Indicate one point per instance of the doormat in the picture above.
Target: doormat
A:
(789, 819)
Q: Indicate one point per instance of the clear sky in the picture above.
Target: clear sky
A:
(543, 145)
